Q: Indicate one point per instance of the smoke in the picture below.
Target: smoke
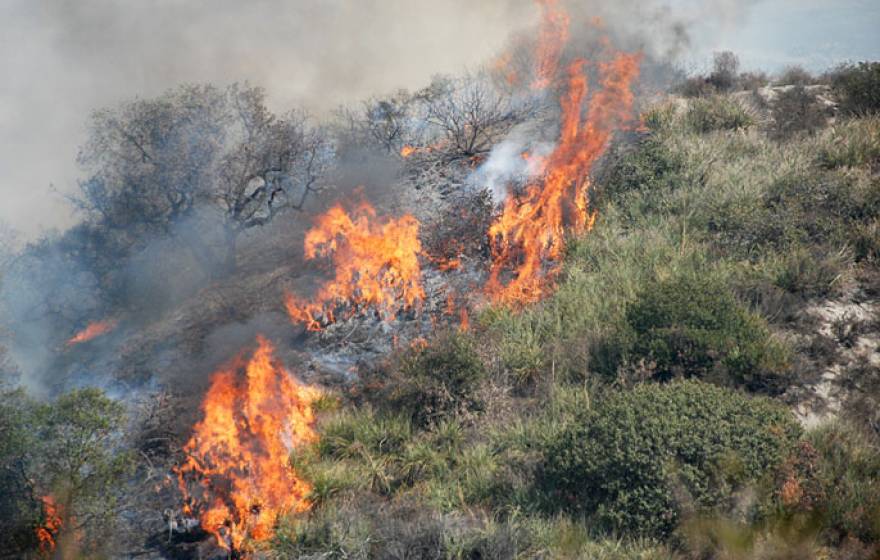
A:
(67, 59)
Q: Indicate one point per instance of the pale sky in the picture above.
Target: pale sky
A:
(60, 60)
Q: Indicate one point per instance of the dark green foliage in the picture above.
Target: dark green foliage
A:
(438, 381)
(692, 326)
(641, 457)
(796, 111)
(717, 113)
(19, 506)
(858, 86)
(647, 167)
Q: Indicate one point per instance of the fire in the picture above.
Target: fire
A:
(407, 151)
(532, 227)
(92, 331)
(376, 262)
(238, 458)
(551, 40)
(48, 532)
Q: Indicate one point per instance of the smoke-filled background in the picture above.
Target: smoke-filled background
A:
(61, 60)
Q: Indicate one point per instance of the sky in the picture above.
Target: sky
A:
(61, 60)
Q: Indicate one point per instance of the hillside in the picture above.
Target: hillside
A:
(588, 323)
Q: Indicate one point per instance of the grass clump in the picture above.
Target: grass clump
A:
(717, 113)
(641, 457)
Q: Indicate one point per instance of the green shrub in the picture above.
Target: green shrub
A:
(691, 325)
(438, 381)
(858, 86)
(796, 111)
(717, 113)
(648, 166)
(642, 457)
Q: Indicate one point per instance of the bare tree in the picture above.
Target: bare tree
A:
(153, 163)
(274, 166)
(470, 115)
(390, 122)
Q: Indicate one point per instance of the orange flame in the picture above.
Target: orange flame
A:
(92, 331)
(407, 151)
(255, 413)
(531, 228)
(551, 40)
(376, 264)
(48, 532)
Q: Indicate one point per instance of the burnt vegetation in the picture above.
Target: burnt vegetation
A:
(702, 383)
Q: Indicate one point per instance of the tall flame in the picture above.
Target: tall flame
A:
(92, 331)
(532, 227)
(552, 38)
(376, 263)
(47, 533)
(238, 458)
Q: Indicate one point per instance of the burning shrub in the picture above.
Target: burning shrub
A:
(637, 460)
(692, 326)
(858, 86)
(438, 381)
(461, 230)
(717, 113)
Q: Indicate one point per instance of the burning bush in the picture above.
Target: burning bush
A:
(641, 457)
(237, 476)
(692, 326)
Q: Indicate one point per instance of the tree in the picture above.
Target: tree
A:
(19, 506)
(154, 163)
(80, 460)
(470, 115)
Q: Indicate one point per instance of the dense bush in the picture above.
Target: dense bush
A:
(692, 326)
(437, 381)
(647, 166)
(641, 458)
(717, 113)
(858, 86)
(796, 111)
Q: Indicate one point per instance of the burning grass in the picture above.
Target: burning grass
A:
(237, 478)
(376, 264)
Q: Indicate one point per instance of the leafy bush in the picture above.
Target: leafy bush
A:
(438, 381)
(692, 326)
(796, 111)
(717, 113)
(641, 457)
(648, 166)
(858, 86)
